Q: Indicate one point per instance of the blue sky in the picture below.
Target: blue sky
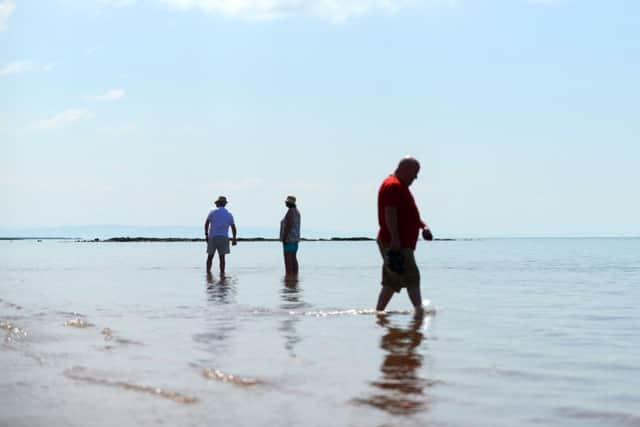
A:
(524, 114)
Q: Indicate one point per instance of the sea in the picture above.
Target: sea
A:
(516, 332)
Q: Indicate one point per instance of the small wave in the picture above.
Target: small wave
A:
(217, 375)
(38, 358)
(428, 310)
(13, 332)
(108, 336)
(262, 311)
(80, 374)
(71, 314)
(515, 373)
(13, 336)
(620, 418)
(327, 313)
(12, 305)
(78, 323)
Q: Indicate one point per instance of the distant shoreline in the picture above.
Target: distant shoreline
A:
(239, 239)
(195, 239)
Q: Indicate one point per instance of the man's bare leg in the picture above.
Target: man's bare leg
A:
(222, 265)
(287, 264)
(416, 298)
(290, 263)
(294, 263)
(384, 297)
(209, 260)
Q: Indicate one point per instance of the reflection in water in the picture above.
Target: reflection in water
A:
(220, 318)
(291, 296)
(220, 291)
(400, 389)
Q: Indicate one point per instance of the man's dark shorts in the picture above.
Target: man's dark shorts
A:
(218, 243)
(396, 281)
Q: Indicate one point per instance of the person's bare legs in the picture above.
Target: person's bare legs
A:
(416, 298)
(209, 261)
(287, 264)
(222, 265)
(290, 263)
(384, 297)
(294, 263)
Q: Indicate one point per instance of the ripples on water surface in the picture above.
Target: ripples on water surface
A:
(522, 332)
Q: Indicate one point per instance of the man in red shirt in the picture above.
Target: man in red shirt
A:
(400, 224)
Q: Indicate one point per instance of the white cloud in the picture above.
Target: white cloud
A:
(19, 67)
(111, 95)
(336, 10)
(64, 118)
(6, 9)
(16, 67)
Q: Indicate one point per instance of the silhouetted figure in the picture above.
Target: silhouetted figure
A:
(400, 223)
(290, 236)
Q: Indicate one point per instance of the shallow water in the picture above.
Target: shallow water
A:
(525, 332)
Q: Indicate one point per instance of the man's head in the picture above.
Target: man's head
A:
(407, 170)
(290, 201)
(222, 201)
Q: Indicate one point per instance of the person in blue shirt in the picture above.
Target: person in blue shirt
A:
(216, 232)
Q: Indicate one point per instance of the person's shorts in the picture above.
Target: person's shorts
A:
(290, 247)
(396, 281)
(218, 243)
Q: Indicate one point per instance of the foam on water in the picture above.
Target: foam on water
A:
(13, 332)
(79, 373)
(79, 323)
(428, 309)
(218, 375)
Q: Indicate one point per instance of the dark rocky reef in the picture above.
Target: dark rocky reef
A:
(239, 239)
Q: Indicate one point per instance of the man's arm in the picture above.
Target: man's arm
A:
(391, 221)
(234, 233)
(206, 229)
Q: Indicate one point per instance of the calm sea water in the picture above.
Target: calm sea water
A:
(526, 332)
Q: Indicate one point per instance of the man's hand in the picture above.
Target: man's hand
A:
(426, 234)
(234, 242)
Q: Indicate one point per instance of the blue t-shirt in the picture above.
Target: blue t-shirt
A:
(220, 219)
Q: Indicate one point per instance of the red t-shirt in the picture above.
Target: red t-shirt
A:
(395, 193)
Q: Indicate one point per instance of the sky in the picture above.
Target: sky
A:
(525, 115)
